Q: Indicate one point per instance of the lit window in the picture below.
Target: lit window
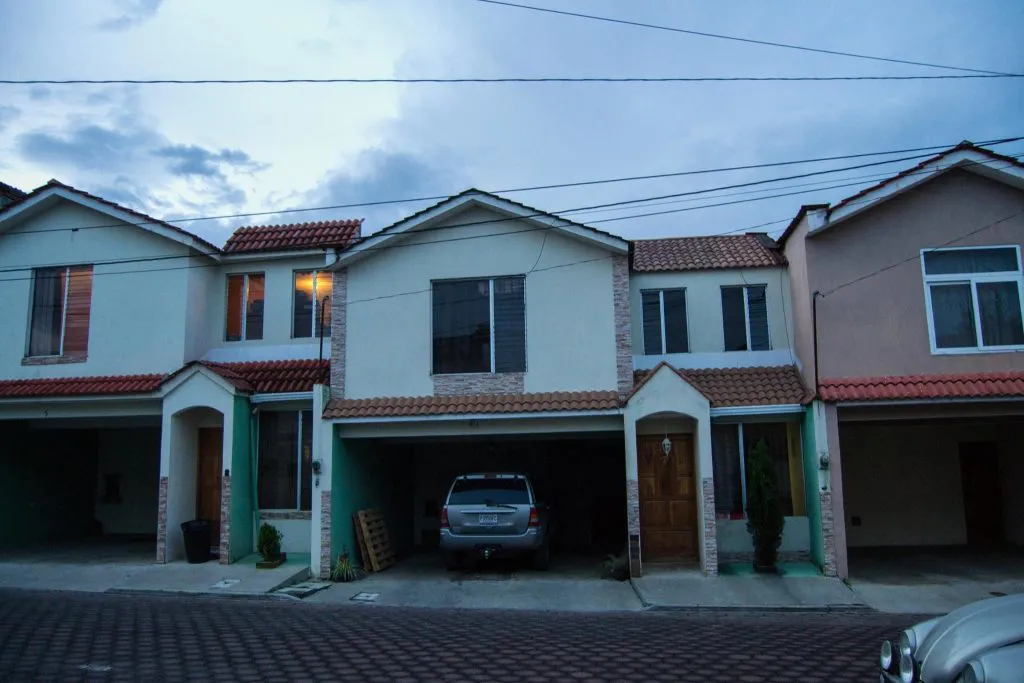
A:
(312, 301)
(245, 307)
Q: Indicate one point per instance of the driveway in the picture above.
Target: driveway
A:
(933, 580)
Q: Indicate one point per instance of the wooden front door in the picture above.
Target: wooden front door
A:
(983, 505)
(211, 440)
(668, 499)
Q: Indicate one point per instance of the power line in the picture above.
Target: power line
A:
(705, 34)
(507, 80)
(674, 174)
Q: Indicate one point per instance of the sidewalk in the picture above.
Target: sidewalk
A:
(799, 588)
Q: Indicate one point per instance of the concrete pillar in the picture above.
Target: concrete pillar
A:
(320, 529)
(632, 499)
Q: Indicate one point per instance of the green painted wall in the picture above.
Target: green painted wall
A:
(242, 470)
(812, 499)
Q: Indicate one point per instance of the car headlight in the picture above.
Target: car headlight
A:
(972, 673)
(885, 659)
(908, 643)
(906, 668)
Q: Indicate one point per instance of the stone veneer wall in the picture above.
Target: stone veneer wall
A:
(710, 531)
(161, 523)
(339, 301)
(225, 520)
(828, 533)
(633, 526)
(267, 516)
(478, 383)
(623, 330)
(325, 534)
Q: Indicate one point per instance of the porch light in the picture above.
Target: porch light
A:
(666, 445)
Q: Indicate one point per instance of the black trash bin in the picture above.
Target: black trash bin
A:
(197, 533)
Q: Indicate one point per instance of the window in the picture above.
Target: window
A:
(61, 299)
(729, 445)
(311, 288)
(285, 460)
(479, 325)
(745, 318)
(245, 307)
(973, 298)
(664, 318)
(489, 491)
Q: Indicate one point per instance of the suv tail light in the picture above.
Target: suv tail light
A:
(534, 516)
(444, 517)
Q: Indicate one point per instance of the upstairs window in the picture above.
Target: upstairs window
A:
(974, 298)
(245, 307)
(310, 289)
(664, 318)
(285, 477)
(479, 325)
(745, 318)
(61, 299)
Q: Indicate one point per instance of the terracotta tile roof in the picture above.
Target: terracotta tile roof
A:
(143, 218)
(80, 386)
(10, 193)
(906, 387)
(275, 376)
(732, 387)
(753, 250)
(468, 405)
(315, 235)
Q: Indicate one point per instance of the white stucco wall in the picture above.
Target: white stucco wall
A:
(133, 455)
(704, 317)
(733, 536)
(295, 534)
(137, 318)
(570, 333)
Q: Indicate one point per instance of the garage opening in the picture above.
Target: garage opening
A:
(580, 477)
(949, 493)
(78, 490)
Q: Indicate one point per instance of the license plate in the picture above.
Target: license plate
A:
(489, 519)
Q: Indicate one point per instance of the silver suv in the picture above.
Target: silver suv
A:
(486, 515)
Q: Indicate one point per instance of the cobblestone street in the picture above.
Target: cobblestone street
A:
(57, 636)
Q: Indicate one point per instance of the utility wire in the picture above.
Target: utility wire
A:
(705, 34)
(675, 174)
(497, 80)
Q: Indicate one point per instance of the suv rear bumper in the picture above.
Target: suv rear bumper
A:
(531, 540)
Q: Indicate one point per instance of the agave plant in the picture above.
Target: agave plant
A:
(344, 570)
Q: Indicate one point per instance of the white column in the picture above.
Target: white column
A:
(320, 528)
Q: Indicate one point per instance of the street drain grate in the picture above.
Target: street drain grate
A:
(225, 583)
(365, 597)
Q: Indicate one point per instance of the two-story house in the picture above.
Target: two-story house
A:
(148, 377)
(907, 308)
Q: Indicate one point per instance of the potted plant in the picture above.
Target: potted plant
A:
(344, 570)
(268, 545)
(764, 514)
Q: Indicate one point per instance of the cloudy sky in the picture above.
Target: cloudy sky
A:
(211, 150)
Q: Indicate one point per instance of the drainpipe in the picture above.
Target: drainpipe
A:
(814, 336)
(323, 304)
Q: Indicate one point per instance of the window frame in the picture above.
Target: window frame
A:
(316, 273)
(63, 312)
(746, 287)
(972, 280)
(302, 427)
(245, 302)
(661, 309)
(490, 302)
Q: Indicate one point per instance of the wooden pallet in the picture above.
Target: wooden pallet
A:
(375, 539)
(364, 556)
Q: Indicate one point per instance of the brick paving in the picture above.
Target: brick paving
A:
(63, 636)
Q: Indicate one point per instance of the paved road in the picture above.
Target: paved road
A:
(57, 636)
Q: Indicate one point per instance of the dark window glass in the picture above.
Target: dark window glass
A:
(306, 465)
(509, 324)
(47, 311)
(676, 340)
(1000, 313)
(725, 460)
(774, 435)
(992, 260)
(953, 316)
(278, 460)
(651, 302)
(734, 319)
(462, 326)
(302, 308)
(494, 491)
(757, 304)
(254, 308)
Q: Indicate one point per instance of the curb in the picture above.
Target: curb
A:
(760, 608)
(157, 592)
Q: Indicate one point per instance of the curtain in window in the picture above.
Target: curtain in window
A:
(254, 308)
(278, 460)
(651, 305)
(47, 312)
(676, 340)
(775, 436)
(953, 316)
(1000, 313)
(462, 326)
(324, 288)
(302, 305)
(509, 324)
(725, 461)
(757, 303)
(236, 293)
(734, 319)
(953, 261)
(76, 321)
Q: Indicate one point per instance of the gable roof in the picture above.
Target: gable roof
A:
(335, 234)
(10, 193)
(752, 250)
(421, 220)
(57, 189)
(732, 387)
(265, 376)
(966, 156)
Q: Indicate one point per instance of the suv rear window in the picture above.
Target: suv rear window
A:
(496, 491)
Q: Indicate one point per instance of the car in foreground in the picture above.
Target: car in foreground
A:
(494, 515)
(982, 642)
